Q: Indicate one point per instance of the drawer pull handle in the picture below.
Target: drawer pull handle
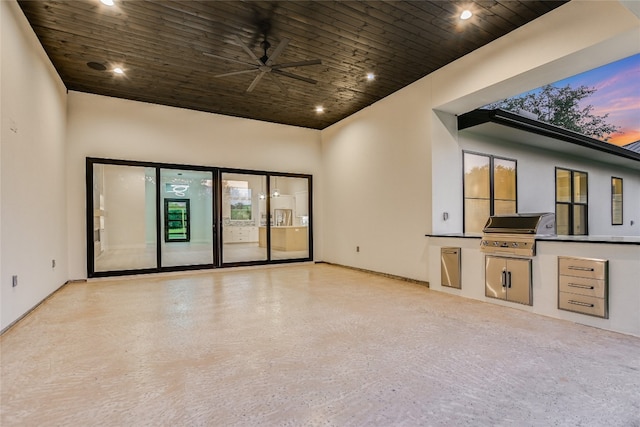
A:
(583, 304)
(576, 285)
(573, 267)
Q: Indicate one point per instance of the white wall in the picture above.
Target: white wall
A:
(404, 150)
(376, 182)
(113, 128)
(33, 220)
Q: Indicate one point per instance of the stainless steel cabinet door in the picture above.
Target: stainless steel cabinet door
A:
(450, 267)
(519, 280)
(495, 277)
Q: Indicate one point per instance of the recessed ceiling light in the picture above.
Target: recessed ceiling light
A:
(466, 14)
(371, 76)
(319, 109)
(107, 2)
(118, 70)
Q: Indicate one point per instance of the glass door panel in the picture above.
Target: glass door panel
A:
(244, 217)
(124, 218)
(289, 217)
(187, 217)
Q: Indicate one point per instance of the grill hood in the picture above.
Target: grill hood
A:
(537, 224)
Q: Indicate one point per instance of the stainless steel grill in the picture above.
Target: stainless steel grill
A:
(515, 234)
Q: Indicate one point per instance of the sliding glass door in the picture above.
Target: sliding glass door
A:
(289, 212)
(186, 198)
(146, 217)
(123, 218)
(243, 210)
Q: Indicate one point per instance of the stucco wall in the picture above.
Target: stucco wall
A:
(33, 220)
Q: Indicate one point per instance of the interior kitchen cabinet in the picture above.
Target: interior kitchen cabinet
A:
(285, 238)
(508, 279)
(240, 234)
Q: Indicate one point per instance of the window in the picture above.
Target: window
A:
(571, 202)
(489, 189)
(616, 201)
(239, 196)
(176, 217)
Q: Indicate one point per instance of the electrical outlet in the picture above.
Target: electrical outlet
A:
(357, 248)
(53, 263)
(14, 281)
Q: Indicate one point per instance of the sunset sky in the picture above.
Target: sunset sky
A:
(618, 94)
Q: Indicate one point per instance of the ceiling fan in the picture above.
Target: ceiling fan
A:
(265, 65)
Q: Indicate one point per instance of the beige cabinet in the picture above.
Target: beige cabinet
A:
(583, 286)
(242, 234)
(285, 238)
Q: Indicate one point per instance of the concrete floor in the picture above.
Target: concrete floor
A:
(306, 345)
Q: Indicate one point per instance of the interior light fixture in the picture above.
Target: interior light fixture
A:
(107, 2)
(466, 14)
(319, 109)
(371, 76)
(118, 70)
(276, 192)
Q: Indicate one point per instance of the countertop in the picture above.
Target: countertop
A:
(623, 240)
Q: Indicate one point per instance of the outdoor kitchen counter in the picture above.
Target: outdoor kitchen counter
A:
(622, 254)
(622, 240)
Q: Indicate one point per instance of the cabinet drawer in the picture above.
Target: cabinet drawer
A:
(582, 267)
(583, 286)
(583, 304)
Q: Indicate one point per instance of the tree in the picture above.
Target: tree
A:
(559, 106)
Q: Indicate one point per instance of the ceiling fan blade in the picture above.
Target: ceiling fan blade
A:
(233, 73)
(247, 50)
(297, 64)
(255, 81)
(295, 76)
(282, 87)
(213, 55)
(277, 51)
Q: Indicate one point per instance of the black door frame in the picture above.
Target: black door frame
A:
(217, 217)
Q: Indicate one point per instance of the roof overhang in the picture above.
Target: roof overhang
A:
(507, 126)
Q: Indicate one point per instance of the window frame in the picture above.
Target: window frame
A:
(492, 191)
(572, 203)
(613, 194)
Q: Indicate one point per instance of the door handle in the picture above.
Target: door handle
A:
(508, 279)
(503, 280)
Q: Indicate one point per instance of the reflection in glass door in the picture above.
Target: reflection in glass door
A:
(124, 218)
(187, 217)
(244, 212)
(289, 213)
(148, 217)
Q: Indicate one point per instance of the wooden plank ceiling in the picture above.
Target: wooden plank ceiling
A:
(162, 47)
